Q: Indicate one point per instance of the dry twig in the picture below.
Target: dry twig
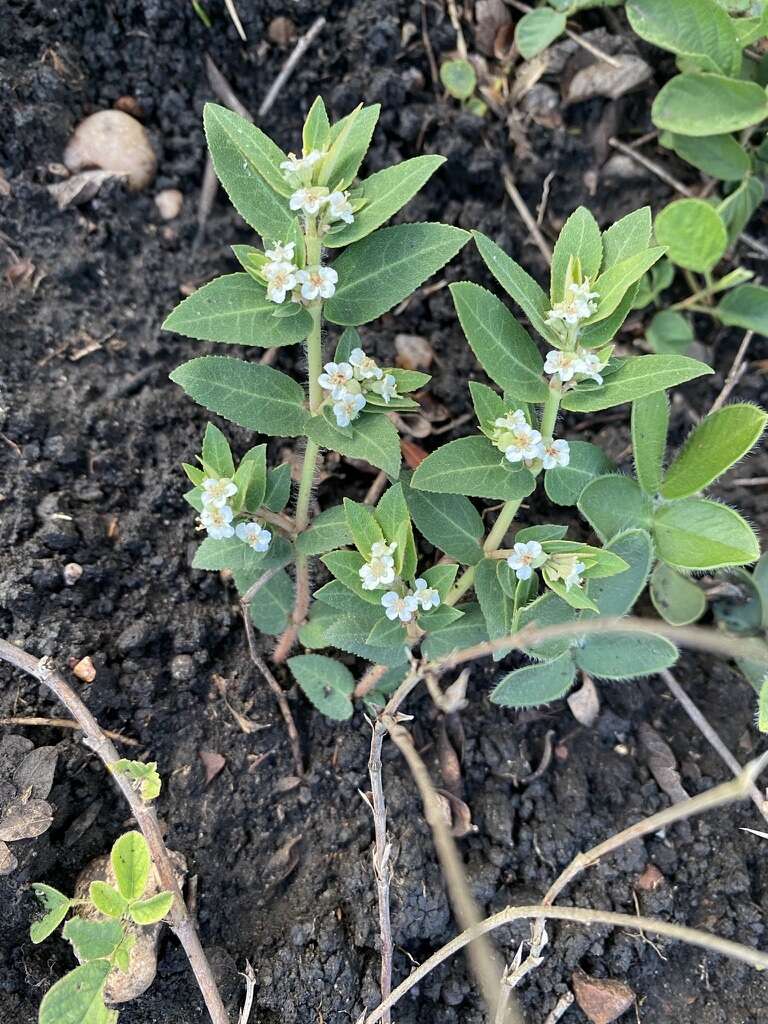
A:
(65, 723)
(382, 868)
(511, 189)
(735, 373)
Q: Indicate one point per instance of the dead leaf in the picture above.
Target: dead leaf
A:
(81, 187)
(284, 861)
(585, 703)
(450, 765)
(602, 79)
(601, 999)
(8, 862)
(651, 879)
(20, 273)
(413, 454)
(5, 187)
(458, 814)
(287, 784)
(490, 16)
(662, 763)
(213, 764)
(26, 820)
(413, 352)
(35, 773)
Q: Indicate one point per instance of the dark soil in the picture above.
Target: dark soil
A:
(89, 454)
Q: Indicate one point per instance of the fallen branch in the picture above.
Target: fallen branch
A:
(64, 723)
(381, 857)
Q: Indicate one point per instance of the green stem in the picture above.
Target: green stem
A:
(492, 541)
(551, 407)
(314, 368)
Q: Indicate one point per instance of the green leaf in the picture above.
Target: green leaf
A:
(536, 684)
(676, 598)
(537, 29)
(448, 521)
(217, 455)
(92, 940)
(338, 597)
(363, 526)
(747, 307)
(720, 156)
(740, 614)
(517, 283)
(56, 906)
(701, 105)
(394, 519)
(107, 899)
(575, 597)
(317, 129)
(152, 910)
(612, 504)
(541, 533)
(696, 533)
(467, 631)
(715, 444)
(379, 271)
(250, 394)
(373, 438)
(762, 707)
(78, 997)
(624, 655)
(245, 564)
(495, 605)
(387, 634)
(384, 194)
(251, 478)
(628, 237)
(637, 377)
(130, 864)
(696, 29)
(235, 309)
(345, 566)
(489, 405)
(579, 239)
(669, 333)
(350, 633)
(737, 208)
(329, 530)
(441, 577)
(650, 421)
(272, 605)
(472, 466)
(247, 165)
(459, 78)
(353, 135)
(693, 232)
(503, 348)
(603, 331)
(564, 484)
(614, 283)
(615, 595)
(278, 488)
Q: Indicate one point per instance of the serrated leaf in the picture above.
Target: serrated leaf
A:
(216, 453)
(152, 910)
(697, 29)
(579, 239)
(78, 997)
(329, 530)
(272, 605)
(441, 577)
(503, 348)
(472, 466)
(537, 684)
(56, 906)
(379, 271)
(693, 232)
(448, 521)
(247, 162)
(245, 564)
(650, 421)
(317, 129)
(92, 940)
(537, 29)
(394, 519)
(712, 447)
(676, 598)
(627, 237)
(616, 595)
(624, 655)
(564, 484)
(496, 607)
(669, 333)
(250, 394)
(107, 899)
(696, 533)
(130, 863)
(637, 377)
(704, 104)
(345, 566)
(350, 633)
(720, 156)
(363, 526)
(614, 503)
(373, 438)
(384, 194)
(386, 633)
(467, 631)
(516, 282)
(278, 488)
(350, 138)
(488, 405)
(234, 309)
(747, 307)
(614, 283)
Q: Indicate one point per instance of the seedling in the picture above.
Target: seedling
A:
(98, 933)
(540, 27)
(460, 81)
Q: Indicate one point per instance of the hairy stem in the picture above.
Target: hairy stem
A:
(492, 541)
(381, 866)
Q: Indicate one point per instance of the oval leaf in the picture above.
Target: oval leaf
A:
(701, 104)
(636, 377)
(746, 306)
(130, 863)
(694, 234)
(471, 466)
(152, 910)
(564, 484)
(56, 906)
(699, 534)
(699, 29)
(536, 684)
(624, 655)
(78, 998)
(326, 682)
(676, 598)
(106, 899)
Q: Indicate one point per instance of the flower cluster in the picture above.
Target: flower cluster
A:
(217, 515)
(348, 383)
(526, 557)
(566, 365)
(380, 570)
(577, 305)
(405, 606)
(284, 278)
(520, 442)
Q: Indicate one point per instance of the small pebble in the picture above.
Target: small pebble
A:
(169, 202)
(281, 31)
(129, 105)
(113, 141)
(72, 573)
(603, 1000)
(85, 669)
(651, 879)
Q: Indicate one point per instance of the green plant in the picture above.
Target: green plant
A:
(460, 81)
(98, 932)
(541, 26)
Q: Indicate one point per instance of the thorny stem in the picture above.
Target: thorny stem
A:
(146, 819)
(381, 866)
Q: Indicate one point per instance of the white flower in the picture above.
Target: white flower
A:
(347, 407)
(574, 577)
(511, 421)
(309, 199)
(555, 453)
(281, 279)
(296, 164)
(380, 549)
(216, 492)
(577, 305)
(387, 388)
(339, 207)
(317, 282)
(562, 364)
(425, 595)
(526, 558)
(254, 535)
(217, 521)
(335, 378)
(281, 253)
(397, 607)
(365, 367)
(379, 572)
(589, 364)
(522, 443)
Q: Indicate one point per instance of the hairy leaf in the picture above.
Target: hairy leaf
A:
(699, 534)
(564, 484)
(675, 597)
(693, 232)
(536, 684)
(637, 377)
(650, 421)
(579, 239)
(472, 466)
